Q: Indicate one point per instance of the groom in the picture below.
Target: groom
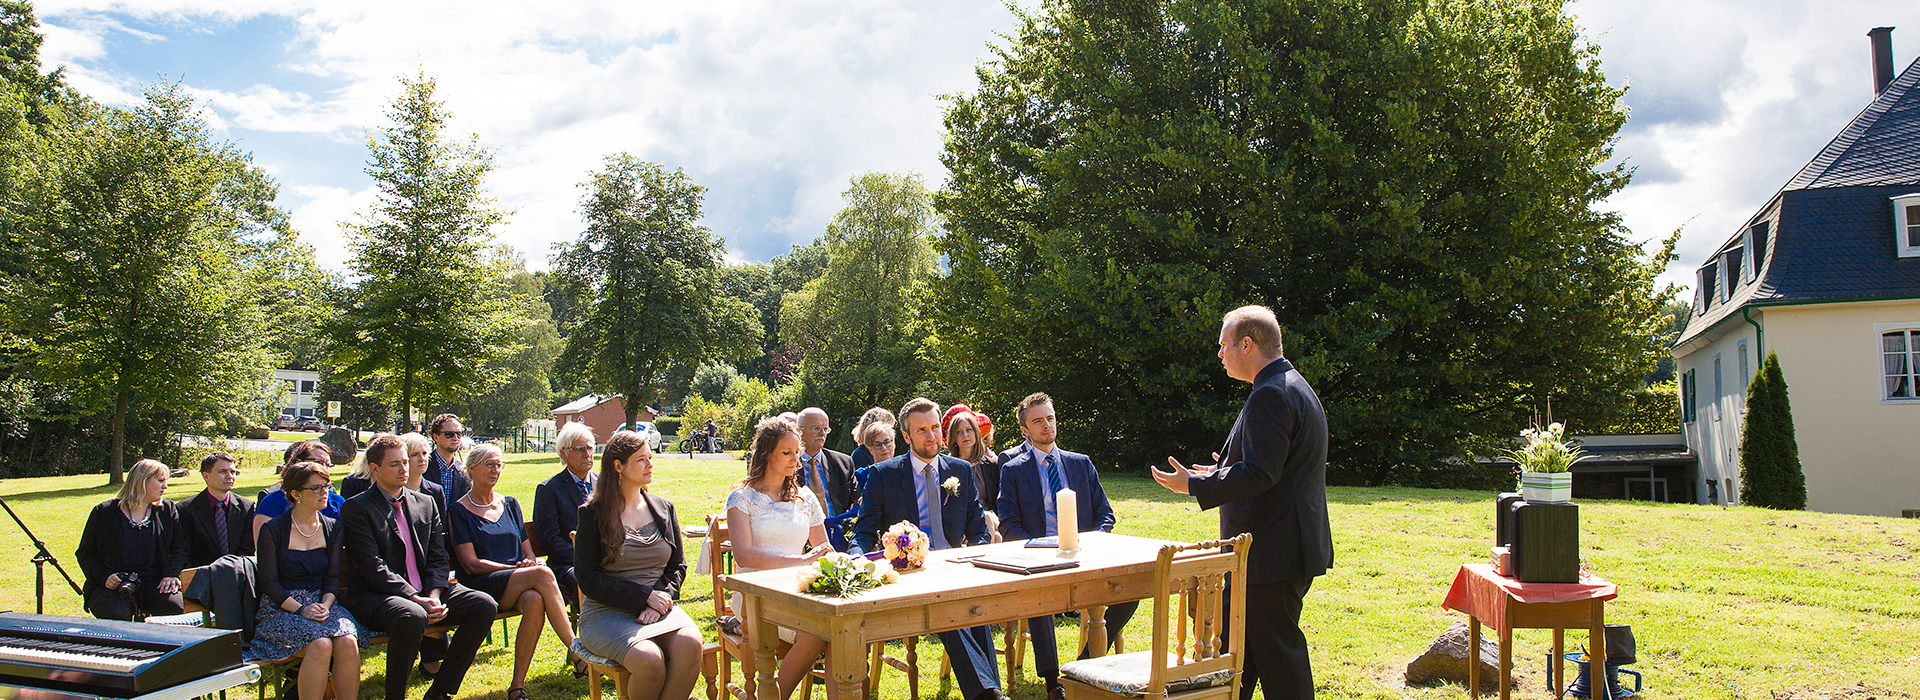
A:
(912, 488)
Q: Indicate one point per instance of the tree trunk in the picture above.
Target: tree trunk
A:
(627, 400)
(406, 398)
(116, 469)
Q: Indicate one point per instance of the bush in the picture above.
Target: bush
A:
(1770, 474)
(747, 402)
(712, 381)
(667, 426)
(1651, 410)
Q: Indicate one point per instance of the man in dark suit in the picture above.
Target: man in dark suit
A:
(1028, 483)
(1271, 481)
(556, 504)
(828, 473)
(217, 521)
(913, 488)
(397, 564)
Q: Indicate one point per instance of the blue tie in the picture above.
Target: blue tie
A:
(1053, 490)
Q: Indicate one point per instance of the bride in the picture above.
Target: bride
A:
(771, 520)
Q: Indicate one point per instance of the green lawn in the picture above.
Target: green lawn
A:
(1727, 603)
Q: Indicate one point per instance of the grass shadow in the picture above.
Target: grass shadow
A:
(101, 492)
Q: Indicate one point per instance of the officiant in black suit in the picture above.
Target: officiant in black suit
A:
(913, 488)
(556, 503)
(396, 556)
(1271, 481)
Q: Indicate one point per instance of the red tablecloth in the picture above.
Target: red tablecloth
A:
(1480, 592)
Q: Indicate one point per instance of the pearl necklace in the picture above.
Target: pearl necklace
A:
(497, 500)
(304, 533)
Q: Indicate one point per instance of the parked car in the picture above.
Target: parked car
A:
(285, 422)
(653, 436)
(311, 424)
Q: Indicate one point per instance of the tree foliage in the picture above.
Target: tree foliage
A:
(137, 227)
(1770, 475)
(763, 286)
(1409, 185)
(423, 315)
(525, 392)
(648, 280)
(854, 325)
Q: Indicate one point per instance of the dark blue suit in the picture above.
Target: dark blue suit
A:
(1023, 515)
(888, 498)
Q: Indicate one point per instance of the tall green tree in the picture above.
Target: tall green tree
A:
(136, 224)
(855, 324)
(423, 315)
(524, 393)
(20, 41)
(1409, 184)
(763, 286)
(648, 276)
(1770, 475)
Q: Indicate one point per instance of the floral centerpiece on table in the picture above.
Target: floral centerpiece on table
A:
(843, 575)
(1546, 464)
(905, 546)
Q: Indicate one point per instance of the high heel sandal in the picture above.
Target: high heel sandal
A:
(517, 693)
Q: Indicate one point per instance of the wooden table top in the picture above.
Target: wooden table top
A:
(1102, 555)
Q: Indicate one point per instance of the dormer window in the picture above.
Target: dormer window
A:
(1906, 225)
(1709, 286)
(1730, 261)
(1756, 245)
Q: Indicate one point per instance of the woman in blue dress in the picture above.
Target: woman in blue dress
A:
(490, 544)
(274, 502)
(299, 577)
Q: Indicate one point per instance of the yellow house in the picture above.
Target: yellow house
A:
(1827, 275)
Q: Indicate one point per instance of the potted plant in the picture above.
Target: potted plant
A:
(1546, 464)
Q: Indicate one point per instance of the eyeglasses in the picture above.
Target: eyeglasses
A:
(817, 429)
(316, 489)
(577, 448)
(452, 434)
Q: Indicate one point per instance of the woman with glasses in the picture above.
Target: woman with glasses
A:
(490, 544)
(133, 548)
(299, 578)
(876, 441)
(862, 455)
(273, 503)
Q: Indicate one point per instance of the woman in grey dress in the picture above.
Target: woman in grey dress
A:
(630, 564)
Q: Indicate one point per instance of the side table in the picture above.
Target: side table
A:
(1507, 604)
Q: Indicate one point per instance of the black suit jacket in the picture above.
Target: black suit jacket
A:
(613, 591)
(196, 518)
(556, 514)
(274, 537)
(100, 553)
(890, 498)
(841, 488)
(1272, 479)
(372, 543)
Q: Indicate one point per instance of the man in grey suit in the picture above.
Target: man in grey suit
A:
(1272, 483)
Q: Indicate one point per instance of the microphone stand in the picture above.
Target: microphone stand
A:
(40, 561)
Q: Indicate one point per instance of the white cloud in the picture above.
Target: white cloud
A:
(318, 219)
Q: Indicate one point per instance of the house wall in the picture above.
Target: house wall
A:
(1714, 434)
(605, 418)
(1857, 451)
(303, 393)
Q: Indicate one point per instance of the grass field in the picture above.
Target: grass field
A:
(1726, 603)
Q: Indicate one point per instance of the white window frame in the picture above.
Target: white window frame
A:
(1879, 361)
(1900, 223)
(1727, 282)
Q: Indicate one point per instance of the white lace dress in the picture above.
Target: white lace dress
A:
(778, 528)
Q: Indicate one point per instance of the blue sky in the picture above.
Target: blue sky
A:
(773, 105)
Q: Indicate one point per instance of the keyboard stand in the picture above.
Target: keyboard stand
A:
(246, 673)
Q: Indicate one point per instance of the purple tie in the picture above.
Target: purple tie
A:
(406, 543)
(220, 525)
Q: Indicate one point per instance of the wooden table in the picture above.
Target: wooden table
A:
(1507, 604)
(942, 596)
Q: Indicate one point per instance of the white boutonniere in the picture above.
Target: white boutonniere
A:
(952, 488)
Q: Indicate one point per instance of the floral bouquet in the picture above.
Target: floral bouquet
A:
(905, 546)
(843, 575)
(1547, 452)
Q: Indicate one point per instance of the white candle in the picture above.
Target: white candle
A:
(1069, 520)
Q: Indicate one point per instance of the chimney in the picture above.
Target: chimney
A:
(1882, 38)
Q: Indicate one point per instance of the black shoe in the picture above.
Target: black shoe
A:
(1071, 614)
(1057, 692)
(991, 694)
(424, 672)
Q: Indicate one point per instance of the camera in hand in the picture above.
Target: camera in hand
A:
(129, 587)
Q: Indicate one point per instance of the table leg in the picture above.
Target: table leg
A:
(1597, 654)
(765, 636)
(1557, 680)
(1506, 663)
(1096, 630)
(849, 654)
(1473, 657)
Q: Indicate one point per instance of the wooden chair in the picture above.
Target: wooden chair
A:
(738, 648)
(1189, 578)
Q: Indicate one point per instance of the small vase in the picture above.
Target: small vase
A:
(1539, 487)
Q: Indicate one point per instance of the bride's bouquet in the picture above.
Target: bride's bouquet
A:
(905, 546)
(843, 575)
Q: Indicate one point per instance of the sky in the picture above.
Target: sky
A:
(775, 104)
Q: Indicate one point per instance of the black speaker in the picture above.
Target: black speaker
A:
(1545, 541)
(1503, 518)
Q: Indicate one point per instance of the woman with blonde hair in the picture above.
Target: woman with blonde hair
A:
(772, 520)
(133, 548)
(495, 556)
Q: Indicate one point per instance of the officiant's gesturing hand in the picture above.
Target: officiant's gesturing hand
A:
(1176, 481)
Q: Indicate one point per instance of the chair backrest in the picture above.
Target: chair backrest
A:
(1190, 587)
(527, 527)
(719, 565)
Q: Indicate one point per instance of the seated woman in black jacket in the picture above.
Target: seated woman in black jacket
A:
(628, 558)
(133, 549)
(299, 578)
